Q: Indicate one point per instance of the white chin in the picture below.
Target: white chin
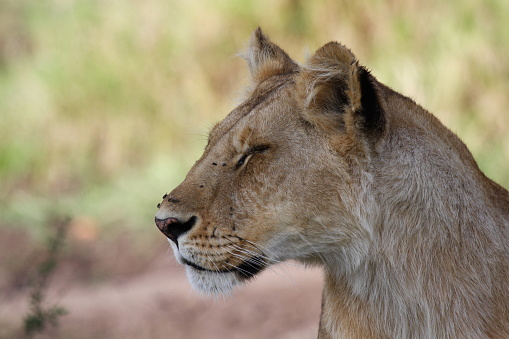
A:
(212, 282)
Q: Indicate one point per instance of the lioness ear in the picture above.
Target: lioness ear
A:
(338, 94)
(266, 59)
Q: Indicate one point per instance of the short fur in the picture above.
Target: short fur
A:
(325, 165)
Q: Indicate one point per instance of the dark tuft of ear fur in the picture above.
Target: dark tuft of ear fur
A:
(339, 95)
(371, 109)
(266, 59)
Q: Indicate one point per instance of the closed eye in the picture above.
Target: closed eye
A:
(256, 149)
(242, 160)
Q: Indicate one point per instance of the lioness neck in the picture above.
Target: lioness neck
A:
(439, 221)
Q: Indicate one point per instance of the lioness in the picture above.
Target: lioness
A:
(325, 165)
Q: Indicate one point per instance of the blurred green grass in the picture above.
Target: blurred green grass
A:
(104, 105)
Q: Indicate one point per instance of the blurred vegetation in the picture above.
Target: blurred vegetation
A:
(105, 104)
(42, 317)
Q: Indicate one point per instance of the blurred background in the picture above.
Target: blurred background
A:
(105, 105)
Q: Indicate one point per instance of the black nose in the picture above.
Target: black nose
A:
(173, 227)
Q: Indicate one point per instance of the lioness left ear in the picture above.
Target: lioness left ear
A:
(266, 59)
(339, 95)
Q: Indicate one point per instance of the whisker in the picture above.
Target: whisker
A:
(251, 261)
(265, 251)
(252, 253)
(282, 267)
(247, 260)
(244, 272)
(258, 251)
(266, 257)
(259, 248)
(283, 273)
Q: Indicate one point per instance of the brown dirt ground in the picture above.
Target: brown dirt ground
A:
(151, 298)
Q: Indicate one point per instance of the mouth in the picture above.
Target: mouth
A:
(196, 267)
(246, 270)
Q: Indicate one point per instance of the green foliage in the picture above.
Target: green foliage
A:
(41, 317)
(104, 104)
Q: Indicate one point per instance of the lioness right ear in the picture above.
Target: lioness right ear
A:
(339, 95)
(266, 59)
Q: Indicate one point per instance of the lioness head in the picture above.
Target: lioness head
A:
(274, 169)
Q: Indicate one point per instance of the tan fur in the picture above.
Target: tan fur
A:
(325, 165)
